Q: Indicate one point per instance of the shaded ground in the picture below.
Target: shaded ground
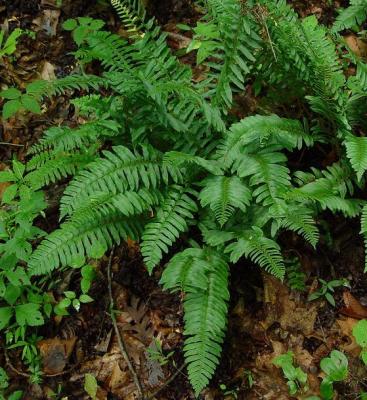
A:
(266, 318)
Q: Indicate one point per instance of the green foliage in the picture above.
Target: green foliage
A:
(296, 378)
(336, 369)
(327, 290)
(9, 46)
(4, 384)
(360, 334)
(160, 159)
(295, 277)
(203, 275)
(352, 16)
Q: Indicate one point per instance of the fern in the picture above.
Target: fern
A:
(295, 218)
(159, 151)
(260, 249)
(268, 175)
(223, 195)
(120, 170)
(131, 13)
(357, 153)
(352, 16)
(164, 230)
(90, 228)
(364, 233)
(205, 307)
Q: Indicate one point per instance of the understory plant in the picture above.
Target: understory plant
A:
(164, 152)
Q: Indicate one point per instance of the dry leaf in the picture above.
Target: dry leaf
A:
(353, 308)
(55, 353)
(48, 72)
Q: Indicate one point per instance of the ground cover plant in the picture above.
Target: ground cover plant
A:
(162, 159)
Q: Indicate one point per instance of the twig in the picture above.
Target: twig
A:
(120, 339)
(11, 144)
(172, 378)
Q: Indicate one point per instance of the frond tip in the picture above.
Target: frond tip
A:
(205, 308)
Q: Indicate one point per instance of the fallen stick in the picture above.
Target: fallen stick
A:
(120, 339)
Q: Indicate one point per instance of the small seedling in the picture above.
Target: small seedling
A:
(71, 299)
(8, 47)
(327, 290)
(229, 392)
(155, 352)
(360, 334)
(336, 369)
(297, 379)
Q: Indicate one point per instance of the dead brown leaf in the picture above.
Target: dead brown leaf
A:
(357, 46)
(353, 308)
(292, 315)
(55, 353)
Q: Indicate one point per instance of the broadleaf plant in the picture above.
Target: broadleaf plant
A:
(163, 156)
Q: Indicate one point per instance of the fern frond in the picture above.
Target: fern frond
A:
(205, 307)
(356, 147)
(223, 195)
(64, 138)
(119, 170)
(132, 15)
(103, 227)
(268, 175)
(186, 271)
(236, 52)
(364, 233)
(46, 168)
(263, 131)
(354, 15)
(171, 220)
(260, 249)
(177, 158)
(296, 218)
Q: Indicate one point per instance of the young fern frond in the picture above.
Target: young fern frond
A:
(224, 195)
(352, 16)
(119, 170)
(259, 249)
(170, 221)
(203, 275)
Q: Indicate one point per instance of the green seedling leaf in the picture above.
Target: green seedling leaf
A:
(18, 169)
(7, 176)
(91, 386)
(10, 94)
(360, 332)
(31, 104)
(70, 24)
(84, 298)
(335, 366)
(5, 315)
(29, 314)
(10, 108)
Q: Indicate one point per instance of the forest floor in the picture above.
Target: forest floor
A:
(266, 318)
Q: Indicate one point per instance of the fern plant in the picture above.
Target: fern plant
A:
(162, 155)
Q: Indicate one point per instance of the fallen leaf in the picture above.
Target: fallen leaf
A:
(55, 353)
(357, 46)
(353, 308)
(48, 72)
